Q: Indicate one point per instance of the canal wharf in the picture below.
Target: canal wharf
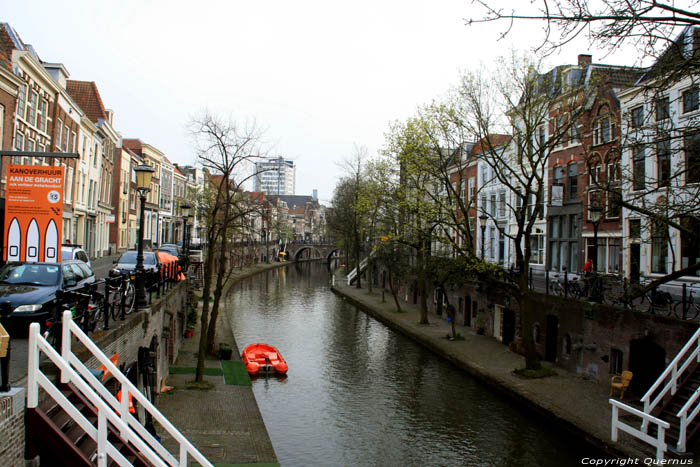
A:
(578, 405)
(224, 422)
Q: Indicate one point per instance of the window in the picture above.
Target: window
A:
(31, 108)
(662, 106)
(537, 249)
(663, 161)
(635, 228)
(603, 131)
(68, 186)
(614, 171)
(493, 205)
(637, 117)
(690, 246)
(659, 247)
(573, 181)
(502, 204)
(19, 141)
(21, 100)
(691, 143)
(42, 114)
(574, 136)
(472, 188)
(595, 198)
(638, 182)
(64, 140)
(594, 172)
(59, 133)
(73, 141)
(690, 100)
(614, 207)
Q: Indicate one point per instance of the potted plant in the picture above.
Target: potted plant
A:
(189, 330)
(480, 325)
(225, 351)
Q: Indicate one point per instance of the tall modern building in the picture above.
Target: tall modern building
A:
(275, 176)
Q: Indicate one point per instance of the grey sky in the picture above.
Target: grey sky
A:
(318, 75)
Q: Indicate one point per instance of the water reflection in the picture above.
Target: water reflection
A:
(357, 393)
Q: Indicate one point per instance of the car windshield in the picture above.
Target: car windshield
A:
(129, 257)
(29, 274)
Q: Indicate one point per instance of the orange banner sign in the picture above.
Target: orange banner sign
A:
(33, 212)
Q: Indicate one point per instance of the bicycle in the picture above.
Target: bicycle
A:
(657, 300)
(690, 305)
(121, 297)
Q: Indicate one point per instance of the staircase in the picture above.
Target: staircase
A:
(81, 422)
(671, 405)
(361, 268)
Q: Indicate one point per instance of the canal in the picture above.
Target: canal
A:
(358, 393)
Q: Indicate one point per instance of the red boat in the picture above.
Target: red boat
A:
(263, 358)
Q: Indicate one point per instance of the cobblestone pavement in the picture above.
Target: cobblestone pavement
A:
(579, 404)
(224, 422)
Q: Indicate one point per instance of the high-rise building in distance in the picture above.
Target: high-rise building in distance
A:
(275, 176)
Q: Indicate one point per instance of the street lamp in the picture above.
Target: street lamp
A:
(483, 218)
(143, 185)
(185, 210)
(595, 213)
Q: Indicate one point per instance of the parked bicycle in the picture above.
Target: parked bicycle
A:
(656, 300)
(121, 293)
(572, 287)
(84, 313)
(692, 308)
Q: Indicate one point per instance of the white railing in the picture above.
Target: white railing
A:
(686, 419)
(688, 355)
(109, 409)
(362, 267)
(659, 442)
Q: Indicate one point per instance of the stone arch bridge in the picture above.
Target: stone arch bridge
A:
(308, 252)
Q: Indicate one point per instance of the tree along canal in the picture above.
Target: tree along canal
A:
(358, 393)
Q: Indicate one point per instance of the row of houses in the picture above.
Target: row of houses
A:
(622, 151)
(43, 110)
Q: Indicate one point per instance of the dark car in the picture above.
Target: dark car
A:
(127, 261)
(30, 288)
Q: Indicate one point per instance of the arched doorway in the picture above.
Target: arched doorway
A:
(508, 326)
(647, 362)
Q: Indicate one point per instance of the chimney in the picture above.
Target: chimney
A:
(109, 113)
(584, 60)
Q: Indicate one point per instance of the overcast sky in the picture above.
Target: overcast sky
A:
(320, 76)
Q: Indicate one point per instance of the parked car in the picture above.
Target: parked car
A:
(74, 252)
(127, 261)
(30, 288)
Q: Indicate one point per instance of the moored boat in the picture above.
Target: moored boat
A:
(263, 358)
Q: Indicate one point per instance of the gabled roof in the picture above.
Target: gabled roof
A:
(681, 56)
(296, 200)
(490, 142)
(86, 95)
(9, 41)
(133, 144)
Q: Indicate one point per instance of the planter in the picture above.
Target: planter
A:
(189, 333)
(225, 352)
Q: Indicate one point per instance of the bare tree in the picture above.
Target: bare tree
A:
(227, 150)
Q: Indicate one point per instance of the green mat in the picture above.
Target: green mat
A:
(235, 373)
(179, 370)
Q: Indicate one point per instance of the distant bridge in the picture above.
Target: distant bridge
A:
(307, 251)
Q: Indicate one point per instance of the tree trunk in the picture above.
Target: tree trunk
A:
(420, 263)
(204, 319)
(218, 290)
(394, 292)
(532, 362)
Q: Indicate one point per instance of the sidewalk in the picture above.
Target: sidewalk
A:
(223, 422)
(578, 404)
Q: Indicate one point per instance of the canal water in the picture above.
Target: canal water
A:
(360, 394)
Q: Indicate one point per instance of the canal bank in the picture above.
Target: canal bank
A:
(224, 421)
(578, 405)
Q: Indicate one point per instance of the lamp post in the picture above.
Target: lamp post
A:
(595, 213)
(188, 232)
(483, 218)
(185, 210)
(143, 185)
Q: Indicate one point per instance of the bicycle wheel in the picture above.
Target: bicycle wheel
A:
(129, 298)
